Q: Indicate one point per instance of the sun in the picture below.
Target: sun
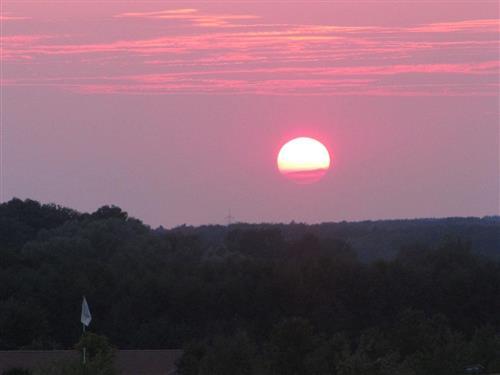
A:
(304, 160)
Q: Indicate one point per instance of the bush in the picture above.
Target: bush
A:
(100, 359)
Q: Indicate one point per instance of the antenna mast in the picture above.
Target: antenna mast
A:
(229, 217)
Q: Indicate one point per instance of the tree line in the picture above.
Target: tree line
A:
(256, 301)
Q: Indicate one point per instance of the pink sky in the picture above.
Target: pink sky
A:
(175, 111)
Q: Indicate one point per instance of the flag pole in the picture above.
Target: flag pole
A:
(85, 318)
(84, 348)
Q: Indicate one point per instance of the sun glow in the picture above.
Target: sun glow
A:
(303, 160)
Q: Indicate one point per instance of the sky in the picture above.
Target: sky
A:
(176, 111)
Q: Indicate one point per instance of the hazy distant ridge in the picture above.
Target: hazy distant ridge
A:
(378, 238)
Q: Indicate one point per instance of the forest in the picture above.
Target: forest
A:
(280, 299)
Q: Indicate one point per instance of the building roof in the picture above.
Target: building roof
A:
(128, 362)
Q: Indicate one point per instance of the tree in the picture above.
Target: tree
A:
(290, 343)
(110, 212)
(21, 323)
(190, 361)
(229, 356)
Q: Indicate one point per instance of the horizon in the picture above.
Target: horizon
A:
(236, 223)
(177, 111)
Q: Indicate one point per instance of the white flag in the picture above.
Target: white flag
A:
(86, 317)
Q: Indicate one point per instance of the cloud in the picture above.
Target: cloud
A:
(7, 16)
(218, 54)
(480, 25)
(362, 80)
(192, 16)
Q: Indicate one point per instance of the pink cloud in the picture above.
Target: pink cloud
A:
(363, 80)
(6, 16)
(280, 59)
(482, 25)
(190, 15)
(281, 42)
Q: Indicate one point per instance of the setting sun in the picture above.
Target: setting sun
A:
(304, 160)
